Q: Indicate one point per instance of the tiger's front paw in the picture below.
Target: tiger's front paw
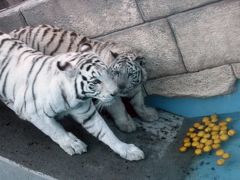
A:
(149, 114)
(72, 145)
(126, 125)
(131, 152)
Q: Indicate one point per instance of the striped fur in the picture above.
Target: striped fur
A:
(124, 66)
(41, 88)
(122, 61)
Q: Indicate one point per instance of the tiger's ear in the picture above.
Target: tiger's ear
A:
(85, 47)
(114, 54)
(64, 66)
(140, 60)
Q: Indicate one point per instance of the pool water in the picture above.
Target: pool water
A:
(204, 167)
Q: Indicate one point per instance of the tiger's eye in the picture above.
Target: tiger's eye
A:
(97, 81)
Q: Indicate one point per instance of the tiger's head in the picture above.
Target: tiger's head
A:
(89, 76)
(127, 71)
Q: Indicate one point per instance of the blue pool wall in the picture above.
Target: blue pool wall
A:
(195, 107)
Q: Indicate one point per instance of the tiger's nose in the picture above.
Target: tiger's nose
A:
(122, 86)
(114, 93)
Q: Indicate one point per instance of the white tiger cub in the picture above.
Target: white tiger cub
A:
(124, 65)
(40, 88)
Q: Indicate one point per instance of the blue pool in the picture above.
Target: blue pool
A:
(204, 167)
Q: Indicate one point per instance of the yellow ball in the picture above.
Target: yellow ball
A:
(193, 135)
(216, 141)
(191, 129)
(201, 133)
(198, 151)
(219, 152)
(205, 119)
(211, 125)
(231, 132)
(220, 162)
(187, 144)
(196, 125)
(200, 146)
(215, 128)
(215, 136)
(226, 156)
(223, 128)
(182, 149)
(216, 146)
(186, 139)
(207, 148)
(214, 133)
(207, 129)
(207, 123)
(203, 140)
(196, 138)
(201, 127)
(222, 123)
(228, 119)
(194, 144)
(214, 120)
(222, 132)
(207, 135)
(209, 142)
(188, 134)
(224, 137)
(213, 116)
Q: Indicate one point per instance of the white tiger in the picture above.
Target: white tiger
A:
(40, 88)
(124, 65)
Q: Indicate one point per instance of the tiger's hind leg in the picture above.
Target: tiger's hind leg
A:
(66, 140)
(96, 126)
(144, 112)
(120, 116)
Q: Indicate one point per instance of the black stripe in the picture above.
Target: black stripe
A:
(84, 78)
(89, 107)
(99, 132)
(3, 41)
(89, 118)
(5, 84)
(82, 87)
(26, 51)
(83, 40)
(8, 53)
(34, 37)
(34, 81)
(89, 61)
(35, 60)
(101, 135)
(45, 33)
(20, 33)
(5, 66)
(73, 37)
(59, 43)
(49, 42)
(14, 92)
(29, 36)
(88, 67)
(52, 109)
(47, 114)
(27, 82)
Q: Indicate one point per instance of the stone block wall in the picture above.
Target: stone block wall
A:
(192, 47)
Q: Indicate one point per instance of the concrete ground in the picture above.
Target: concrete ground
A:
(24, 144)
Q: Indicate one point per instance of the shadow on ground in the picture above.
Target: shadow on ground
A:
(23, 143)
